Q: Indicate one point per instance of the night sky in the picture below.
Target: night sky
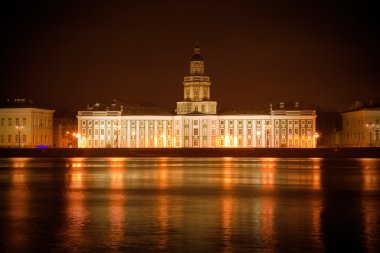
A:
(65, 54)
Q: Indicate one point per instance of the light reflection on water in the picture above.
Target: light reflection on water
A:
(189, 204)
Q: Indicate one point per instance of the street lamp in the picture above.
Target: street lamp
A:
(316, 136)
(267, 132)
(118, 128)
(19, 128)
(370, 126)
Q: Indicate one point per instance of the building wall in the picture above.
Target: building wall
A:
(361, 128)
(238, 131)
(26, 127)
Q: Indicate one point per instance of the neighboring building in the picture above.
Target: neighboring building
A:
(361, 125)
(196, 122)
(24, 125)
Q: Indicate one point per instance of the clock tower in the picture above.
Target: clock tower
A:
(196, 89)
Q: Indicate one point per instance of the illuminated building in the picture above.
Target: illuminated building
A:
(23, 125)
(196, 122)
(361, 126)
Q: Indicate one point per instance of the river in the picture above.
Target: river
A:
(189, 205)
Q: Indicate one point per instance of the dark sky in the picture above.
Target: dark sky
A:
(65, 54)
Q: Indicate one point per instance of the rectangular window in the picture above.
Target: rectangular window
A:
(24, 121)
(102, 131)
(83, 131)
(296, 131)
(9, 138)
(96, 143)
(222, 131)
(196, 132)
(249, 142)
(240, 131)
(249, 131)
(2, 122)
(231, 131)
(96, 131)
(9, 122)
(83, 122)
(195, 122)
(17, 121)
(290, 131)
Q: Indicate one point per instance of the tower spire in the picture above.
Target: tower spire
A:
(196, 63)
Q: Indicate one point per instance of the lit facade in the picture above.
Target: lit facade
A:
(196, 123)
(26, 127)
(361, 127)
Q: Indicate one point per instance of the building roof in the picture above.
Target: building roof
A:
(242, 112)
(128, 109)
(360, 106)
(21, 103)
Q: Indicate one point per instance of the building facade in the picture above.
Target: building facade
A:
(26, 127)
(361, 126)
(195, 124)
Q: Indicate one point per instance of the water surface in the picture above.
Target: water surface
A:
(189, 205)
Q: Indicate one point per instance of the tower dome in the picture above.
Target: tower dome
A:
(197, 54)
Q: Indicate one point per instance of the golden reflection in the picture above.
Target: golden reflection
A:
(316, 210)
(115, 162)
(268, 172)
(76, 211)
(116, 207)
(163, 174)
(267, 223)
(371, 207)
(18, 208)
(371, 220)
(163, 216)
(316, 176)
(227, 173)
(227, 223)
(369, 173)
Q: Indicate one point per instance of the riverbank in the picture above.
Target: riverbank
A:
(194, 152)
